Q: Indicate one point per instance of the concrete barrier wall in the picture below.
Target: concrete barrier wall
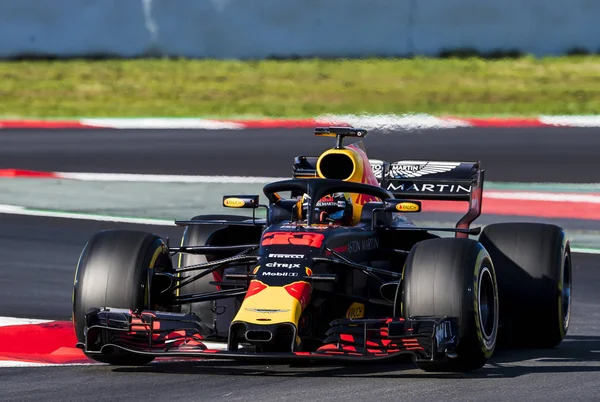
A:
(288, 28)
(540, 27)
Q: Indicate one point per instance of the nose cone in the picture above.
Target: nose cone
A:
(269, 315)
(266, 304)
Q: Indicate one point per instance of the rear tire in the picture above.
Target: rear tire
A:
(455, 278)
(113, 271)
(533, 263)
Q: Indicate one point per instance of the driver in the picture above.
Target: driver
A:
(333, 209)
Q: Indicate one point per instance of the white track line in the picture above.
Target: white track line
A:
(159, 178)
(391, 122)
(8, 321)
(16, 363)
(19, 210)
(571, 121)
(585, 250)
(163, 123)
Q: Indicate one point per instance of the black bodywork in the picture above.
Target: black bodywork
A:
(344, 266)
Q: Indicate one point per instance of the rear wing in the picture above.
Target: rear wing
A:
(428, 180)
(421, 180)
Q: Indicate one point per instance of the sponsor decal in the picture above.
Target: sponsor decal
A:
(305, 200)
(356, 246)
(293, 238)
(408, 169)
(279, 274)
(356, 310)
(233, 202)
(332, 201)
(377, 168)
(308, 271)
(255, 270)
(282, 265)
(429, 188)
(298, 256)
(321, 226)
(408, 207)
(266, 311)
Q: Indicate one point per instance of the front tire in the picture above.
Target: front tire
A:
(114, 271)
(455, 278)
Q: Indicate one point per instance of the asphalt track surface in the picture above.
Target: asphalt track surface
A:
(38, 257)
(519, 155)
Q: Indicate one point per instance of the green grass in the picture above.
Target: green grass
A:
(186, 88)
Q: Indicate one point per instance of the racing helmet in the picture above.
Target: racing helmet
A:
(333, 208)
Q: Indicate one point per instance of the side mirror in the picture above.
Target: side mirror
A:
(402, 206)
(240, 201)
(393, 205)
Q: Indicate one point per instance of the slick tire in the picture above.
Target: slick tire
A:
(113, 272)
(200, 235)
(455, 278)
(533, 267)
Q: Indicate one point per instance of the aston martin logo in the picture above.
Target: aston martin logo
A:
(407, 169)
(377, 168)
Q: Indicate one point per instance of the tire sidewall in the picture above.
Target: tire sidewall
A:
(564, 317)
(484, 266)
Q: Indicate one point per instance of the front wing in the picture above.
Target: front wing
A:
(162, 334)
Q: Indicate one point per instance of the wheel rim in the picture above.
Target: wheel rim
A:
(566, 292)
(487, 304)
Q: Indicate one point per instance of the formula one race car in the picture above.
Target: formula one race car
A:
(335, 271)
